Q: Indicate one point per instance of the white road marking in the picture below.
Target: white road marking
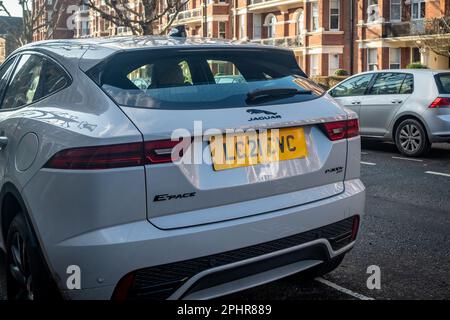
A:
(438, 173)
(408, 159)
(364, 153)
(343, 290)
(368, 163)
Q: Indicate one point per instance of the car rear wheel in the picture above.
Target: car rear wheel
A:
(411, 138)
(26, 274)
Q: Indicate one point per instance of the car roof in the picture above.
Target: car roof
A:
(93, 50)
(412, 71)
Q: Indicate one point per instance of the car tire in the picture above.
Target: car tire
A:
(27, 277)
(411, 138)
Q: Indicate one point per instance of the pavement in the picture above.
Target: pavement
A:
(405, 232)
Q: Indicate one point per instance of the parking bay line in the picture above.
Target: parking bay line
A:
(342, 289)
(438, 173)
(408, 159)
(368, 163)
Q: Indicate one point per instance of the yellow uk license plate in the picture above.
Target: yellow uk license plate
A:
(256, 147)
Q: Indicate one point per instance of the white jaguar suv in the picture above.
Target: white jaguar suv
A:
(130, 169)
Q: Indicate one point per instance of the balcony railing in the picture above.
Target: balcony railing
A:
(288, 42)
(260, 1)
(189, 14)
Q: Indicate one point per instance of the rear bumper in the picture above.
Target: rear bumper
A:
(228, 272)
(105, 256)
(438, 123)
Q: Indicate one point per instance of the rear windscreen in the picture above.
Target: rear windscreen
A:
(443, 82)
(203, 78)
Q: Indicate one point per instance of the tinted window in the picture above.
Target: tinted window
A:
(353, 87)
(34, 78)
(408, 85)
(5, 70)
(201, 78)
(443, 83)
(53, 78)
(388, 83)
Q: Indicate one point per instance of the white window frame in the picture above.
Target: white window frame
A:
(242, 26)
(299, 22)
(396, 3)
(334, 14)
(331, 70)
(314, 16)
(271, 24)
(314, 67)
(391, 55)
(222, 34)
(372, 63)
(419, 4)
(372, 3)
(209, 29)
(257, 26)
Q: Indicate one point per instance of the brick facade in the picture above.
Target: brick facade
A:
(325, 35)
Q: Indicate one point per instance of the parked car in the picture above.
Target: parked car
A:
(408, 107)
(229, 79)
(90, 188)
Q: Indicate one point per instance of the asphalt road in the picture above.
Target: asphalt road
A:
(406, 232)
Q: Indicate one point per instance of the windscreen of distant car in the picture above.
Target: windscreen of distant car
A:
(443, 82)
(203, 78)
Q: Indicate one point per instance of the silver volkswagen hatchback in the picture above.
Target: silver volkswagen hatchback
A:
(130, 170)
(409, 107)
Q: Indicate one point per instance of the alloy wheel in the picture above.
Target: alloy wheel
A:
(410, 138)
(19, 267)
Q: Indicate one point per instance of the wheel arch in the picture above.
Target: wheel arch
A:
(11, 203)
(405, 116)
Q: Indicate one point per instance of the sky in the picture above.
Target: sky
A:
(13, 7)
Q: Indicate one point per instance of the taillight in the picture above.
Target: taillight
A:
(159, 151)
(355, 227)
(113, 156)
(440, 102)
(102, 157)
(342, 129)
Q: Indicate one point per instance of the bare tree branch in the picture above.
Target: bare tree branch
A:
(121, 13)
(435, 35)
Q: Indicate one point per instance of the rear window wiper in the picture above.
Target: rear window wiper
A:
(274, 93)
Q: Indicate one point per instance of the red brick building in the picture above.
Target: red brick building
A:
(325, 35)
(388, 33)
(52, 26)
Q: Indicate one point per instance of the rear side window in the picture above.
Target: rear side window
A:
(34, 78)
(353, 87)
(200, 78)
(5, 71)
(390, 83)
(443, 83)
(408, 85)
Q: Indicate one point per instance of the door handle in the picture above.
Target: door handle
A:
(397, 101)
(3, 142)
(356, 102)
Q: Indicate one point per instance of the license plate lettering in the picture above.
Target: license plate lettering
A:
(266, 146)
